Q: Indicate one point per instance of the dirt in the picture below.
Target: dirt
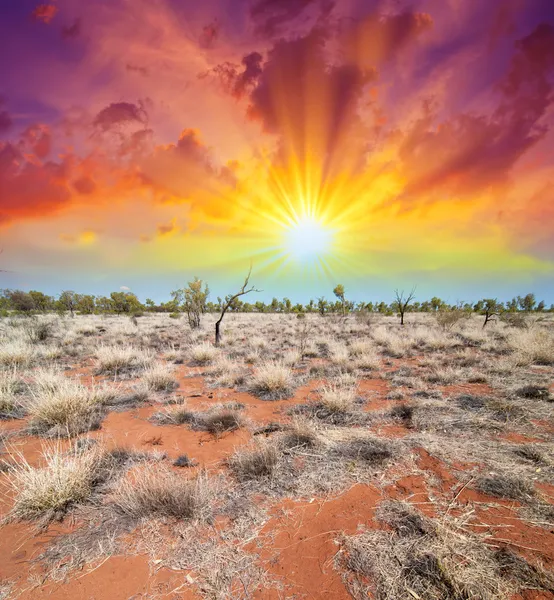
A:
(303, 543)
(299, 543)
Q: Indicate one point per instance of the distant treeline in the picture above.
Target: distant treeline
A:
(124, 302)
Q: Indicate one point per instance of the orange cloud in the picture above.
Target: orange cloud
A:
(45, 12)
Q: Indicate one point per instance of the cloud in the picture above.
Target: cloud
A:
(30, 188)
(238, 80)
(209, 35)
(72, 31)
(137, 69)
(375, 39)
(120, 113)
(38, 138)
(124, 288)
(45, 12)
(469, 152)
(5, 121)
(273, 16)
(166, 229)
(84, 185)
(184, 169)
(308, 102)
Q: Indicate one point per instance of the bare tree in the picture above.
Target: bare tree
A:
(491, 308)
(402, 302)
(228, 302)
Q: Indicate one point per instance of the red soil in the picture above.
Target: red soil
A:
(303, 546)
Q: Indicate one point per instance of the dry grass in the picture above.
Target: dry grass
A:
(11, 388)
(259, 461)
(158, 492)
(272, 381)
(67, 478)
(118, 360)
(61, 406)
(339, 396)
(159, 378)
(16, 353)
(202, 354)
(421, 559)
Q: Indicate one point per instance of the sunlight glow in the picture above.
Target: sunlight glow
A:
(308, 240)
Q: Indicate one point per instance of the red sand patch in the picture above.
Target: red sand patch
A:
(302, 552)
(518, 438)
(132, 430)
(118, 578)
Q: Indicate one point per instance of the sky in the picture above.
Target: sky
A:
(380, 144)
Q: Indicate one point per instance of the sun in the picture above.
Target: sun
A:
(308, 240)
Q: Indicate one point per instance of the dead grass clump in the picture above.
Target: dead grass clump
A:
(339, 396)
(300, 435)
(159, 378)
(151, 492)
(531, 453)
(174, 415)
(403, 413)
(372, 450)
(420, 559)
(219, 421)
(504, 486)
(64, 407)
(119, 360)
(202, 354)
(534, 392)
(255, 463)
(272, 381)
(16, 353)
(11, 389)
(524, 574)
(532, 346)
(404, 520)
(183, 460)
(67, 478)
(471, 402)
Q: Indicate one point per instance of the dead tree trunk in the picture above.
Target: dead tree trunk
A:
(228, 303)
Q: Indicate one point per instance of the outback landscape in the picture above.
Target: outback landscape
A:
(277, 300)
(304, 457)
